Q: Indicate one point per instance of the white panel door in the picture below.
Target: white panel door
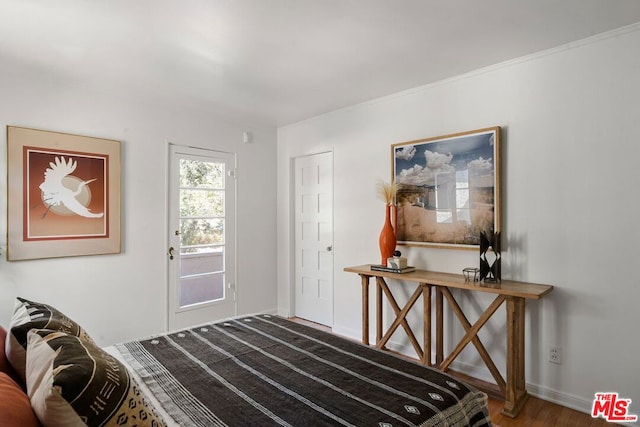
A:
(201, 236)
(314, 238)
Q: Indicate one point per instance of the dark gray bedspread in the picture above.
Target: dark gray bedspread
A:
(265, 370)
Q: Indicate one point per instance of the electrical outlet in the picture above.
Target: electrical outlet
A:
(555, 354)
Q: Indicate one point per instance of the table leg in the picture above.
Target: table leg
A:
(516, 394)
(378, 312)
(365, 308)
(439, 327)
(426, 325)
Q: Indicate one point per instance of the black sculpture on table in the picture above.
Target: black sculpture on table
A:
(490, 266)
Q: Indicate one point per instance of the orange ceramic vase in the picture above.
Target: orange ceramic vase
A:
(387, 239)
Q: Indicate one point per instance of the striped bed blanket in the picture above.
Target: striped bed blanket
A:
(266, 370)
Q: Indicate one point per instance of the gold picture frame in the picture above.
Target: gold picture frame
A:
(63, 196)
(448, 189)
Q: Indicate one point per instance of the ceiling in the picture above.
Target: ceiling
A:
(276, 62)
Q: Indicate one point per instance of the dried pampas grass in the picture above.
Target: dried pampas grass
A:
(387, 191)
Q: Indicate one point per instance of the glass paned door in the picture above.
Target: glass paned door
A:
(201, 236)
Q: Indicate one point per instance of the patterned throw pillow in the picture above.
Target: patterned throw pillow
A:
(74, 383)
(29, 315)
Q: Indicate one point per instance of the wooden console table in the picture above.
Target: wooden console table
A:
(514, 293)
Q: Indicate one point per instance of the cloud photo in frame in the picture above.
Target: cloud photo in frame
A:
(448, 188)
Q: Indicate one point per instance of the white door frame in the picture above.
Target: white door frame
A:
(231, 270)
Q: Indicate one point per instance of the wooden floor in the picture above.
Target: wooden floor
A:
(540, 413)
(535, 413)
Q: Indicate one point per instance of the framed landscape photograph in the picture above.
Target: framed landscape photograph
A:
(63, 194)
(448, 188)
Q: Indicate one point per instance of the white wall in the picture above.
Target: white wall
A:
(119, 297)
(571, 140)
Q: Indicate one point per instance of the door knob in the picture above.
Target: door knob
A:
(329, 248)
(171, 252)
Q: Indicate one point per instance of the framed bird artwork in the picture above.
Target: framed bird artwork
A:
(63, 194)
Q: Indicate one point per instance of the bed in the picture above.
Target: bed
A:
(252, 370)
